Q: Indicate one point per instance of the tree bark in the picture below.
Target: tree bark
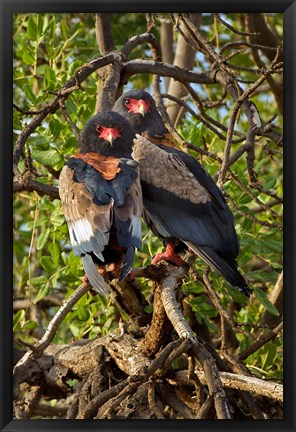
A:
(184, 58)
(166, 43)
(109, 75)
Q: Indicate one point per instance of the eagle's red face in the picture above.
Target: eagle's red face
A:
(109, 134)
(138, 106)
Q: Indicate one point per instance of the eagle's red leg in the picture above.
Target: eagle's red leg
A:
(169, 255)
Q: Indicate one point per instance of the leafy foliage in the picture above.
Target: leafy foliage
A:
(47, 50)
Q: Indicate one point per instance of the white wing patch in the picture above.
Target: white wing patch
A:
(136, 226)
(80, 231)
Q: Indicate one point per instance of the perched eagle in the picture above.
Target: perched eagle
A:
(101, 197)
(182, 204)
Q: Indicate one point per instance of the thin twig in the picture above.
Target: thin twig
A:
(67, 117)
(252, 218)
(247, 44)
(247, 190)
(232, 28)
(269, 192)
(32, 185)
(27, 112)
(38, 348)
(217, 303)
(201, 42)
(203, 118)
(260, 342)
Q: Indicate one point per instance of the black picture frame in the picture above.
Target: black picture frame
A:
(10, 7)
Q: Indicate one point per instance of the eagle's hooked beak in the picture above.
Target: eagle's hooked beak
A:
(142, 109)
(111, 138)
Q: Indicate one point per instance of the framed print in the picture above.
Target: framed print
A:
(147, 269)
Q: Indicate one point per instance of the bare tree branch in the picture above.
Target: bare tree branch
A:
(33, 185)
(245, 383)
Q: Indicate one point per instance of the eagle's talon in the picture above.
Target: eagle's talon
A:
(169, 255)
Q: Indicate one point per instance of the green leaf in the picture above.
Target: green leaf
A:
(70, 106)
(71, 143)
(39, 142)
(64, 258)
(262, 275)
(19, 316)
(45, 204)
(55, 277)
(49, 77)
(29, 325)
(75, 330)
(52, 25)
(55, 127)
(83, 313)
(236, 295)
(43, 292)
(272, 245)
(65, 29)
(193, 287)
(47, 157)
(40, 222)
(55, 252)
(148, 309)
(29, 92)
(262, 244)
(42, 239)
(108, 323)
(246, 225)
(260, 164)
(40, 23)
(28, 58)
(71, 70)
(37, 281)
(94, 332)
(270, 182)
(262, 297)
(32, 30)
(48, 264)
(57, 220)
(244, 199)
(72, 382)
(269, 355)
(73, 260)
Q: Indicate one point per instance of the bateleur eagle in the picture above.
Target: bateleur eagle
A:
(101, 197)
(182, 204)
